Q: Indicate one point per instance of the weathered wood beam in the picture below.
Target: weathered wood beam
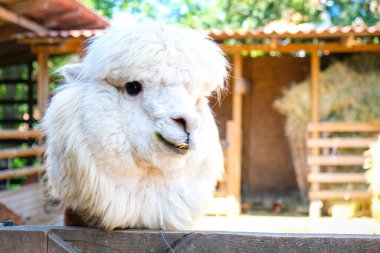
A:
(309, 47)
(12, 17)
(70, 46)
(314, 82)
(76, 239)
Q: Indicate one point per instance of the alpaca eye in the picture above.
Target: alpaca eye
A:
(133, 88)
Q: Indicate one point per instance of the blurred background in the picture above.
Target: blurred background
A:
(297, 124)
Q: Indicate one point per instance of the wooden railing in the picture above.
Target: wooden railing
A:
(325, 142)
(75, 239)
(12, 153)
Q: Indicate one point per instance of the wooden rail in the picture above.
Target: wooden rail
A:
(26, 171)
(11, 153)
(16, 134)
(74, 239)
(21, 152)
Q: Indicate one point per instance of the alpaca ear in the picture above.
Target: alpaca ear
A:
(71, 72)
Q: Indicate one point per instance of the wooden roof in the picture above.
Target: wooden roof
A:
(40, 17)
(297, 32)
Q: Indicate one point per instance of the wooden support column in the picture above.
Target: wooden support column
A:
(315, 69)
(315, 208)
(43, 81)
(235, 151)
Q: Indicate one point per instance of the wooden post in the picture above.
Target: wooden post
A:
(315, 69)
(235, 154)
(315, 208)
(43, 81)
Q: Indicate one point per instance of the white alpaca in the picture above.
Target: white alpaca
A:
(131, 140)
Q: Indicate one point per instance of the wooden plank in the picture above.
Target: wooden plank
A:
(294, 47)
(11, 17)
(335, 142)
(17, 134)
(24, 240)
(336, 160)
(57, 245)
(70, 46)
(350, 127)
(26, 171)
(43, 82)
(338, 195)
(21, 152)
(314, 82)
(235, 155)
(336, 178)
(94, 240)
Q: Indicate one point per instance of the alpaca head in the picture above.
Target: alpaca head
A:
(136, 107)
(147, 90)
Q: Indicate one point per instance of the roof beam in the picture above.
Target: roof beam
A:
(292, 48)
(22, 7)
(12, 17)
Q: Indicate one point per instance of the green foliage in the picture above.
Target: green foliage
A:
(242, 13)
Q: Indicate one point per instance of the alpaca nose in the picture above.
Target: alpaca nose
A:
(188, 122)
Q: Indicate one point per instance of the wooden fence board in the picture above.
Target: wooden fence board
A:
(335, 142)
(70, 239)
(337, 160)
(16, 134)
(21, 152)
(343, 127)
(338, 194)
(336, 178)
(23, 240)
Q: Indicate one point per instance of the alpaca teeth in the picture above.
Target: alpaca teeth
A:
(182, 145)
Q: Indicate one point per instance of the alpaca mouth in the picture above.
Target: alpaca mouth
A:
(180, 148)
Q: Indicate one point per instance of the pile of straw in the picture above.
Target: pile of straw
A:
(349, 91)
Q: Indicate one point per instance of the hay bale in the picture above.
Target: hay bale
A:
(349, 91)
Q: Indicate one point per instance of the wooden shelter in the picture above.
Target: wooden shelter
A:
(28, 38)
(258, 79)
(44, 18)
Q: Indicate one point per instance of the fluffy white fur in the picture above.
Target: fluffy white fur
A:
(103, 157)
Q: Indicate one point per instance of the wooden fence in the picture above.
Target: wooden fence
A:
(41, 239)
(334, 146)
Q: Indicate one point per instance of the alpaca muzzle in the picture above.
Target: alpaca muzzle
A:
(180, 148)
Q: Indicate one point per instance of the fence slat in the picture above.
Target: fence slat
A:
(338, 160)
(26, 171)
(352, 127)
(21, 152)
(16, 134)
(335, 142)
(93, 240)
(336, 178)
(336, 194)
